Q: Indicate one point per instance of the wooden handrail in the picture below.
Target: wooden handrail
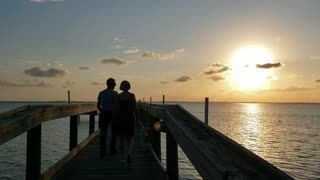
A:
(20, 120)
(29, 119)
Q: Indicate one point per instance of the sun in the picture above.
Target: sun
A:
(245, 76)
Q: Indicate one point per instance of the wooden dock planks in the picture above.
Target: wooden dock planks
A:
(88, 164)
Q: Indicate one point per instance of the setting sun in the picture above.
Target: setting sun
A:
(245, 75)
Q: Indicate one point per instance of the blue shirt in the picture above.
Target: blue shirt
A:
(107, 98)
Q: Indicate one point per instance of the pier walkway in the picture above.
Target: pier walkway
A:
(88, 164)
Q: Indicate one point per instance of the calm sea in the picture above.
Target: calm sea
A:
(286, 135)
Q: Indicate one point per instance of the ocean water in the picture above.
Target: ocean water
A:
(286, 135)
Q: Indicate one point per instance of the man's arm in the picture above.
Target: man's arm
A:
(99, 103)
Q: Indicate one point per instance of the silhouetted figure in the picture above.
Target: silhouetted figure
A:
(125, 110)
(106, 101)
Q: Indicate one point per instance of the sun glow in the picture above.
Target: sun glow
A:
(245, 75)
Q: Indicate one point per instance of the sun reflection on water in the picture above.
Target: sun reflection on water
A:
(251, 126)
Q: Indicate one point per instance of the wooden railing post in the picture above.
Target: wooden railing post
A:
(156, 140)
(163, 99)
(206, 111)
(157, 144)
(92, 122)
(73, 131)
(172, 157)
(33, 169)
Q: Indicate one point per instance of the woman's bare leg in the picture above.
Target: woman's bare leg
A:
(128, 148)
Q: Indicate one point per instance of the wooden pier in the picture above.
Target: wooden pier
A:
(214, 155)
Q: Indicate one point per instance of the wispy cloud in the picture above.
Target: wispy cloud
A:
(269, 65)
(84, 68)
(119, 47)
(114, 61)
(150, 54)
(43, 1)
(216, 78)
(95, 83)
(51, 73)
(131, 51)
(25, 83)
(164, 82)
(183, 79)
(164, 56)
(69, 84)
(56, 64)
(315, 57)
(217, 68)
(117, 39)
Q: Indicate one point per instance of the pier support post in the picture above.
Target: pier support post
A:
(33, 169)
(73, 132)
(92, 122)
(172, 157)
(163, 99)
(206, 111)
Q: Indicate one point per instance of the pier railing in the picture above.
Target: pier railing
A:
(214, 155)
(29, 119)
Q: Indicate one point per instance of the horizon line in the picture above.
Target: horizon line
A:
(77, 101)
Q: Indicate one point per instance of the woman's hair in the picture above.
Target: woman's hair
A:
(125, 85)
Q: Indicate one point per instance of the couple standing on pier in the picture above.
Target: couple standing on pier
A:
(118, 110)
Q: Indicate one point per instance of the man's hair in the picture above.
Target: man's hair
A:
(111, 82)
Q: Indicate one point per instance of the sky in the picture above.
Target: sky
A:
(227, 50)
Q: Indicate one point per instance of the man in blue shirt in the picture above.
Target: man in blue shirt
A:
(106, 100)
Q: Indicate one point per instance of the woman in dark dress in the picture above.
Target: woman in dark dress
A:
(125, 119)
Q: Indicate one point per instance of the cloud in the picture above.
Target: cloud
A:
(318, 80)
(164, 82)
(218, 68)
(315, 57)
(269, 65)
(56, 63)
(150, 54)
(42, 1)
(25, 83)
(164, 56)
(216, 78)
(117, 39)
(95, 83)
(40, 72)
(183, 79)
(84, 68)
(69, 84)
(114, 61)
(209, 72)
(131, 51)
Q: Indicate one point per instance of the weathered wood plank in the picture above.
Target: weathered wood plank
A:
(53, 170)
(19, 121)
(213, 154)
(88, 164)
